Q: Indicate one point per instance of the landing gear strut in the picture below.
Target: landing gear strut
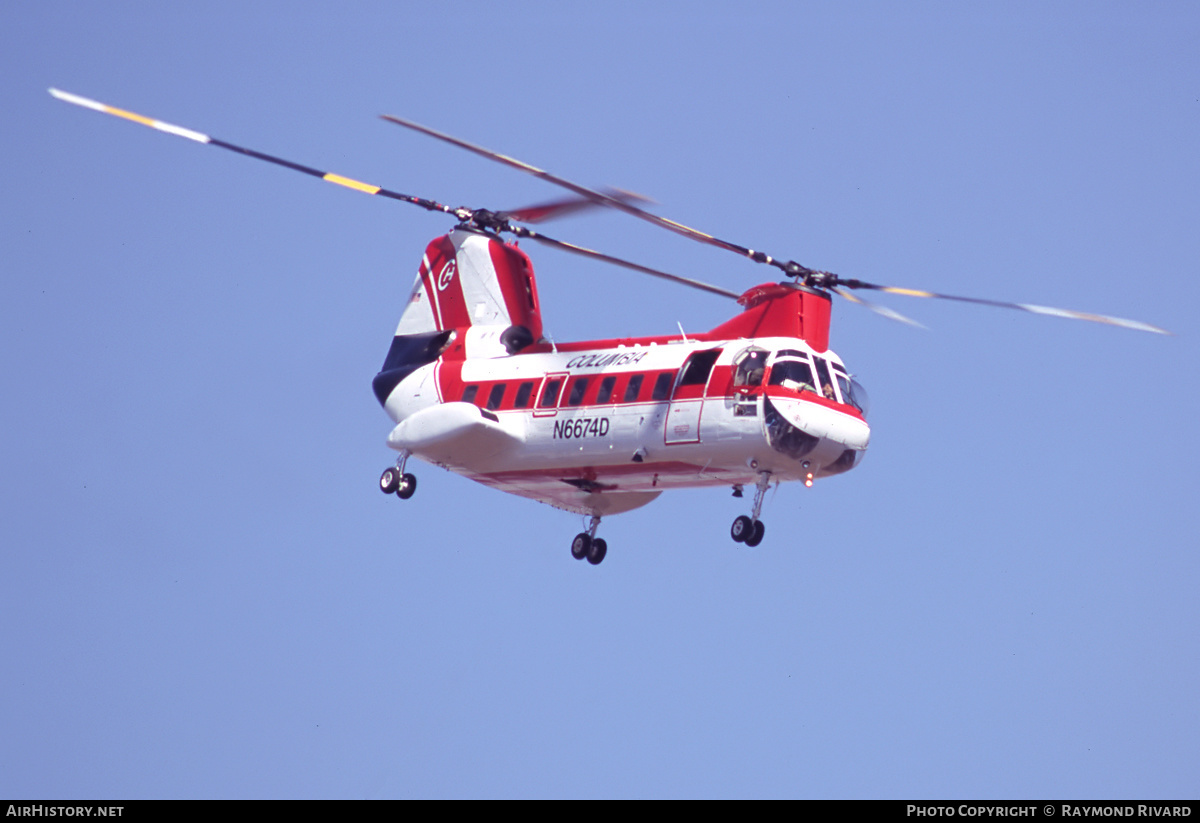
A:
(586, 544)
(750, 530)
(395, 480)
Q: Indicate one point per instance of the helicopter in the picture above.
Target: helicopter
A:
(474, 384)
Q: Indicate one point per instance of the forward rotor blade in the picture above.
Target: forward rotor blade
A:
(1026, 307)
(599, 196)
(521, 231)
(555, 209)
(883, 311)
(329, 177)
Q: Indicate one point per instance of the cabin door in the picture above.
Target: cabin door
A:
(687, 401)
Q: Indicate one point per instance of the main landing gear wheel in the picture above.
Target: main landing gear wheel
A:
(389, 481)
(581, 545)
(750, 530)
(586, 544)
(597, 551)
(745, 530)
(401, 484)
(742, 528)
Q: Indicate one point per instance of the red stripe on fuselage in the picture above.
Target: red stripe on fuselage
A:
(814, 398)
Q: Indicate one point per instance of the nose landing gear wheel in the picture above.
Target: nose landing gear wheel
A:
(756, 538)
(581, 545)
(407, 487)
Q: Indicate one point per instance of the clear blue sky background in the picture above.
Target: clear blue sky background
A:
(203, 594)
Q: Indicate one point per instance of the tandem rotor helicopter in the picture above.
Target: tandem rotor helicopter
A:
(600, 427)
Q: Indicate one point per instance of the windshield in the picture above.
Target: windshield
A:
(793, 374)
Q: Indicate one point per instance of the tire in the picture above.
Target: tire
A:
(581, 545)
(408, 487)
(742, 528)
(756, 538)
(389, 481)
(597, 552)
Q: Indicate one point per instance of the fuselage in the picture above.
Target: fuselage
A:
(623, 420)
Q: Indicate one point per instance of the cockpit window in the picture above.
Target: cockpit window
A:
(844, 385)
(851, 390)
(857, 396)
(751, 366)
(826, 380)
(793, 374)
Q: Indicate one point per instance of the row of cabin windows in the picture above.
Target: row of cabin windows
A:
(791, 369)
(608, 391)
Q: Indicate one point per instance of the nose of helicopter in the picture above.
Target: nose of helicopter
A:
(847, 430)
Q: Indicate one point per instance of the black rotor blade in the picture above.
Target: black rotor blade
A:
(615, 196)
(600, 197)
(329, 177)
(813, 277)
(1026, 307)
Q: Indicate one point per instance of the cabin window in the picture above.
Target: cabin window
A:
(578, 389)
(468, 395)
(550, 393)
(606, 388)
(662, 387)
(633, 388)
(495, 396)
(524, 392)
(698, 367)
(794, 375)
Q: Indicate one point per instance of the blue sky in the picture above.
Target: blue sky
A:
(204, 594)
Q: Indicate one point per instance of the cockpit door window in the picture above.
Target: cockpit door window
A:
(751, 365)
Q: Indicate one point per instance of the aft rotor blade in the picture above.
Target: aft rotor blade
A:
(555, 209)
(1026, 307)
(198, 137)
(599, 196)
(521, 231)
